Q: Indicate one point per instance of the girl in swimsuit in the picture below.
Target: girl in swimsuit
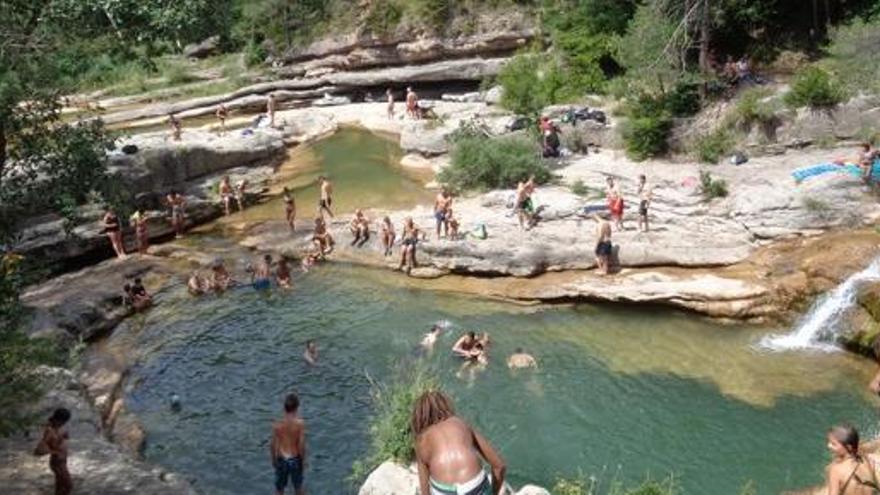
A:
(114, 232)
(410, 240)
(388, 235)
(850, 472)
(140, 231)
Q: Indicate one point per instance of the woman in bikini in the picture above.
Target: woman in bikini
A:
(409, 241)
(114, 232)
(290, 208)
(850, 472)
(388, 235)
(615, 203)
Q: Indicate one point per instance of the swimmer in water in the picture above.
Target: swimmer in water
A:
(521, 359)
(282, 274)
(196, 284)
(311, 353)
(430, 338)
(464, 346)
(262, 274)
(288, 448)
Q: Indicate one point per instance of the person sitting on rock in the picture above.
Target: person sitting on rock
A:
(448, 451)
(360, 228)
(321, 238)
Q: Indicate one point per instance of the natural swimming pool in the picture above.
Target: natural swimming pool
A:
(621, 391)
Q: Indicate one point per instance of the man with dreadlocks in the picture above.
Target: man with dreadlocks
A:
(448, 451)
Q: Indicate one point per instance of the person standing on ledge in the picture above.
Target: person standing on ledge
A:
(412, 103)
(615, 203)
(226, 193)
(54, 443)
(290, 208)
(390, 95)
(646, 193)
(288, 448)
(603, 245)
(326, 200)
(221, 113)
(449, 451)
(114, 232)
(270, 109)
(850, 472)
(176, 127)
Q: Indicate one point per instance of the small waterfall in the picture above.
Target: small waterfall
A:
(819, 325)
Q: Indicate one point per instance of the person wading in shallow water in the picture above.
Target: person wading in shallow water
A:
(448, 451)
(850, 473)
(54, 443)
(288, 448)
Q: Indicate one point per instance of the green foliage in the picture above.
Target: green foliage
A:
(753, 107)
(480, 163)
(710, 148)
(644, 50)
(521, 83)
(390, 434)
(815, 205)
(646, 130)
(580, 485)
(571, 486)
(712, 188)
(816, 88)
(579, 188)
(853, 51)
(383, 16)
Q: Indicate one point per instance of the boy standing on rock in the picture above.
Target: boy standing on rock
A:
(288, 448)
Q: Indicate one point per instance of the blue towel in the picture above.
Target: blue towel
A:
(804, 173)
(594, 208)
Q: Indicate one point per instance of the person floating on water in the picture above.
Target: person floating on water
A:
(282, 274)
(388, 235)
(220, 278)
(226, 193)
(311, 352)
(410, 240)
(603, 244)
(448, 451)
(850, 472)
(54, 444)
(290, 208)
(326, 201)
(646, 193)
(430, 338)
(113, 229)
(321, 238)
(521, 359)
(261, 276)
(288, 448)
(360, 229)
(615, 203)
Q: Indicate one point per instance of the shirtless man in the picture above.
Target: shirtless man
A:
(311, 353)
(390, 96)
(54, 443)
(282, 274)
(290, 208)
(409, 241)
(442, 203)
(646, 193)
(270, 109)
(603, 244)
(288, 448)
(449, 451)
(262, 274)
(465, 346)
(521, 359)
(524, 205)
(412, 103)
(430, 338)
(322, 239)
(226, 193)
(360, 228)
(326, 200)
(221, 113)
(177, 204)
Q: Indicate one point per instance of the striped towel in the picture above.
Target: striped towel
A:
(805, 173)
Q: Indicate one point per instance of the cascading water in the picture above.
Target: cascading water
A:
(820, 324)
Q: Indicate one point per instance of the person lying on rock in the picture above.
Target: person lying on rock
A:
(360, 228)
(449, 451)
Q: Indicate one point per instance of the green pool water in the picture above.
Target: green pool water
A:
(622, 392)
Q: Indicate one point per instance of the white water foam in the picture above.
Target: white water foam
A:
(817, 329)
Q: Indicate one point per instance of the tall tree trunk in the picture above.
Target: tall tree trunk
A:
(2, 151)
(705, 34)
